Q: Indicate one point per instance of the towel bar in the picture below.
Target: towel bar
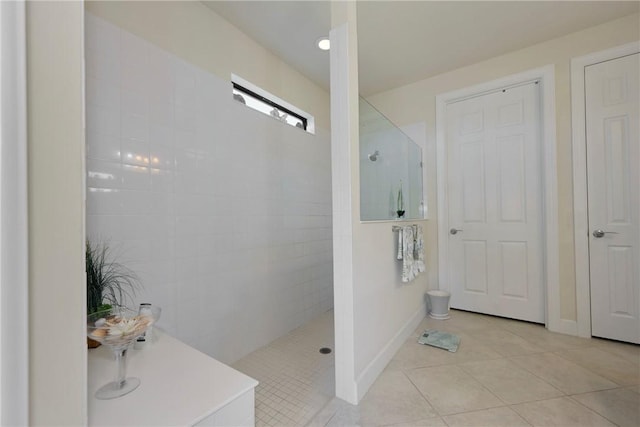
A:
(398, 227)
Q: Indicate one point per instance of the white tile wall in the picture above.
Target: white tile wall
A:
(223, 212)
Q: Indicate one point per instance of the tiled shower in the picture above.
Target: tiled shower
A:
(224, 213)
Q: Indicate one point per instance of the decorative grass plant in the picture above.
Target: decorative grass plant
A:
(109, 283)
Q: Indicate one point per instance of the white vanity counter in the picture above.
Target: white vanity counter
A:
(179, 386)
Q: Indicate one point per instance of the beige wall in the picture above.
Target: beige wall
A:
(416, 102)
(195, 33)
(58, 345)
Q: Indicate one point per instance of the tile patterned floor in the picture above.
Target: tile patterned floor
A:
(296, 380)
(505, 373)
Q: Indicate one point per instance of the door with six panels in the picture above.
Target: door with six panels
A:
(495, 203)
(613, 163)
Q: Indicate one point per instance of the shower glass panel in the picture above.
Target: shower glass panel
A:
(389, 161)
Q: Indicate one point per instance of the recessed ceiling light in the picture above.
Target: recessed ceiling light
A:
(323, 43)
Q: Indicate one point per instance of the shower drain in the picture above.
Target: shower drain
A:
(325, 350)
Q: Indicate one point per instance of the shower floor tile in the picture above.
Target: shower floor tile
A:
(296, 380)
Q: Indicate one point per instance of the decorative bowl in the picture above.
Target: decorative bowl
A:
(117, 328)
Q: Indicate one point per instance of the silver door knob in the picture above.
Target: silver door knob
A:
(600, 233)
(455, 231)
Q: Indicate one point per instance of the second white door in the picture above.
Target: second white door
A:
(495, 204)
(613, 159)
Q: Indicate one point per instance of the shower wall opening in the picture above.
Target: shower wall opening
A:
(223, 212)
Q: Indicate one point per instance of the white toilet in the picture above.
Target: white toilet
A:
(438, 304)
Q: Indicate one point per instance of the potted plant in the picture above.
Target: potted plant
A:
(400, 204)
(109, 283)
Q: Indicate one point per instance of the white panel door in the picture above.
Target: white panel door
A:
(613, 192)
(494, 204)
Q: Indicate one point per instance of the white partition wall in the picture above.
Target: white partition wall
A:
(374, 311)
(14, 285)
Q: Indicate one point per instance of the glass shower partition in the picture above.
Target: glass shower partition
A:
(390, 170)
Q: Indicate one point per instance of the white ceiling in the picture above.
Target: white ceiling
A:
(287, 28)
(401, 42)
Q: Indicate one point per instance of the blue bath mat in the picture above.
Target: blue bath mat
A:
(443, 340)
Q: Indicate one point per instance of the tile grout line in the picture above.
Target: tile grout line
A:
(579, 366)
(592, 409)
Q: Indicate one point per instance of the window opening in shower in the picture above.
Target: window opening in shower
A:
(260, 100)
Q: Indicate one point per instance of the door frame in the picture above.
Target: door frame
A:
(579, 153)
(551, 289)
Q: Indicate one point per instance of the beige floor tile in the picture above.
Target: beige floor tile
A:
(441, 325)
(606, 364)
(342, 414)
(450, 390)
(429, 422)
(471, 322)
(413, 355)
(629, 352)
(325, 414)
(346, 416)
(521, 327)
(509, 382)
(507, 343)
(494, 417)
(562, 373)
(393, 399)
(621, 406)
(561, 412)
(550, 341)
(495, 354)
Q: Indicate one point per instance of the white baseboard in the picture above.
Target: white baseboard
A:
(377, 365)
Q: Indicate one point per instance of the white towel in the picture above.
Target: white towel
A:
(418, 248)
(411, 251)
(408, 267)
